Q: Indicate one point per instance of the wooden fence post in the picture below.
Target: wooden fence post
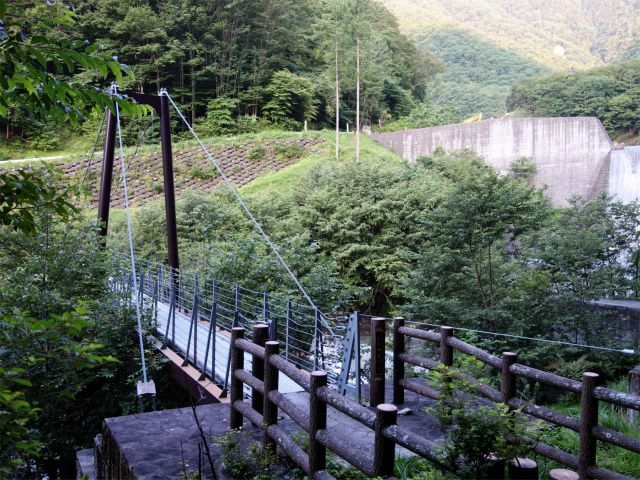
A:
(317, 421)
(237, 363)
(634, 389)
(446, 352)
(270, 409)
(384, 449)
(588, 420)
(398, 365)
(508, 383)
(259, 336)
(376, 383)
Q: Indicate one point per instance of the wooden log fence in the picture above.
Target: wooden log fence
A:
(378, 463)
(586, 426)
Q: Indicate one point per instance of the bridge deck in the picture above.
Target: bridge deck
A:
(222, 341)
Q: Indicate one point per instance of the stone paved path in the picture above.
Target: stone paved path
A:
(152, 445)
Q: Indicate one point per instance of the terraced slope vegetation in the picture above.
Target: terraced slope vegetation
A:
(241, 163)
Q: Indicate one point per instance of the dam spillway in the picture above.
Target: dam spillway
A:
(624, 174)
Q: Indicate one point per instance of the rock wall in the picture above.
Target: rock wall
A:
(572, 154)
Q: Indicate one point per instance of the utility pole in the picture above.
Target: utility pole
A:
(337, 95)
(358, 81)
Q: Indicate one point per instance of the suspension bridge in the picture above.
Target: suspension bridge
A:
(301, 363)
(194, 326)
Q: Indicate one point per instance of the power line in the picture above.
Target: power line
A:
(625, 350)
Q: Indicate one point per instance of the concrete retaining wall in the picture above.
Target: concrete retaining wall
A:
(572, 154)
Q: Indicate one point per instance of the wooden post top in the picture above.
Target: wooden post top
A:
(319, 373)
(387, 407)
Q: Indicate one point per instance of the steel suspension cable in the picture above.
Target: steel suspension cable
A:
(246, 209)
(93, 151)
(133, 261)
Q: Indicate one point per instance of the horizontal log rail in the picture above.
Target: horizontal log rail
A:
(377, 463)
(586, 425)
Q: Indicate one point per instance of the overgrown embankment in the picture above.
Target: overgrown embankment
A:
(241, 162)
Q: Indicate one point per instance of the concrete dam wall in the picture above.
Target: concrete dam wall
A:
(572, 155)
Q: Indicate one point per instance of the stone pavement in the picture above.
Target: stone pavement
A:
(152, 445)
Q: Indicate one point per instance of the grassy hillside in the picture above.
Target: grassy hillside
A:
(281, 181)
(255, 164)
(479, 73)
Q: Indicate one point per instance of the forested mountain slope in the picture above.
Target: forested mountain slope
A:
(479, 73)
(591, 32)
(487, 45)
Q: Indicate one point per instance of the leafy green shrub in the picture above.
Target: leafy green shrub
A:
(232, 452)
(157, 187)
(205, 173)
(246, 458)
(219, 119)
(289, 151)
(256, 153)
(479, 430)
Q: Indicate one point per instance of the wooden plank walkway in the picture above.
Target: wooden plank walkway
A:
(222, 341)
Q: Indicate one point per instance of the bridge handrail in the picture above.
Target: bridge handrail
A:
(310, 340)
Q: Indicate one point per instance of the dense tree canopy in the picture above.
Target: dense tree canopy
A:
(610, 93)
(258, 57)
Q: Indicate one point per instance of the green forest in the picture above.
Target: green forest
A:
(479, 74)
(241, 66)
(489, 45)
(446, 240)
(609, 93)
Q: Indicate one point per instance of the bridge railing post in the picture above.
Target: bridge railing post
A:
(193, 327)
(588, 420)
(259, 337)
(317, 333)
(508, 382)
(317, 421)
(238, 301)
(269, 409)
(358, 356)
(633, 389)
(237, 363)
(211, 337)
(141, 290)
(236, 323)
(288, 329)
(398, 365)
(376, 383)
(171, 325)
